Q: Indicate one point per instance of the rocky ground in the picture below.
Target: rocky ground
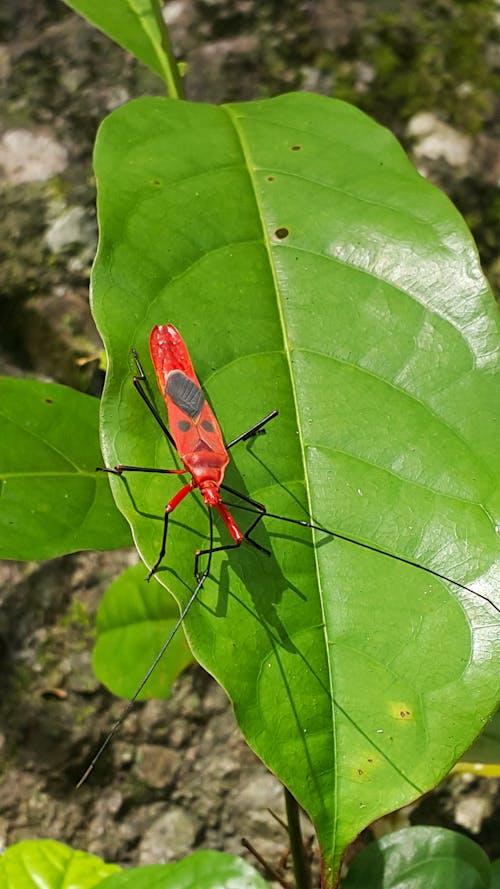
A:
(179, 777)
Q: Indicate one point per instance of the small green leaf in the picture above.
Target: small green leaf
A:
(135, 24)
(133, 621)
(52, 501)
(423, 858)
(203, 870)
(45, 864)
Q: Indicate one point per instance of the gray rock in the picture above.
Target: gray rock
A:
(170, 837)
(31, 156)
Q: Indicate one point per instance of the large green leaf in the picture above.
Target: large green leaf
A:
(311, 269)
(44, 864)
(52, 501)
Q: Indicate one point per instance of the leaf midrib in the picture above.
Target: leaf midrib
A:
(240, 135)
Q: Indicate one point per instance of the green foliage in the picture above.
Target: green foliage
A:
(423, 857)
(434, 857)
(133, 621)
(52, 499)
(32, 864)
(136, 25)
(495, 875)
(311, 269)
(203, 870)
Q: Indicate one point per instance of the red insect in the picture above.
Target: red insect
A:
(197, 437)
(193, 425)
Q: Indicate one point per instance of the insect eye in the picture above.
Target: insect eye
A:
(207, 426)
(184, 425)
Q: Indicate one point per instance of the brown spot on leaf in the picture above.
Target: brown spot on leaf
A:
(282, 233)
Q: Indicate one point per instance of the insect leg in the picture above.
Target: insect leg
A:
(171, 505)
(221, 549)
(126, 710)
(205, 552)
(117, 470)
(257, 507)
(254, 430)
(253, 507)
(138, 381)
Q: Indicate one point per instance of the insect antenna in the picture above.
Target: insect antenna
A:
(130, 705)
(250, 506)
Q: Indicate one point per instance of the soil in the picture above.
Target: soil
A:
(179, 776)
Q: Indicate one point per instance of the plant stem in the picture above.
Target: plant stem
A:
(169, 64)
(300, 868)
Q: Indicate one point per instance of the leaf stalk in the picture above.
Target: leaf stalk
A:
(171, 76)
(297, 848)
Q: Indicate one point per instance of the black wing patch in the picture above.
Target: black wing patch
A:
(185, 394)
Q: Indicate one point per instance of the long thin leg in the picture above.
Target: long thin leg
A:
(253, 507)
(138, 381)
(254, 430)
(205, 552)
(117, 470)
(245, 497)
(218, 549)
(126, 710)
(176, 499)
(258, 507)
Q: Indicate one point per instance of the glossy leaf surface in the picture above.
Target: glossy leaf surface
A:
(45, 864)
(52, 501)
(421, 858)
(310, 269)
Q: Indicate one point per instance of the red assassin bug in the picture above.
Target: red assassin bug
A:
(195, 434)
